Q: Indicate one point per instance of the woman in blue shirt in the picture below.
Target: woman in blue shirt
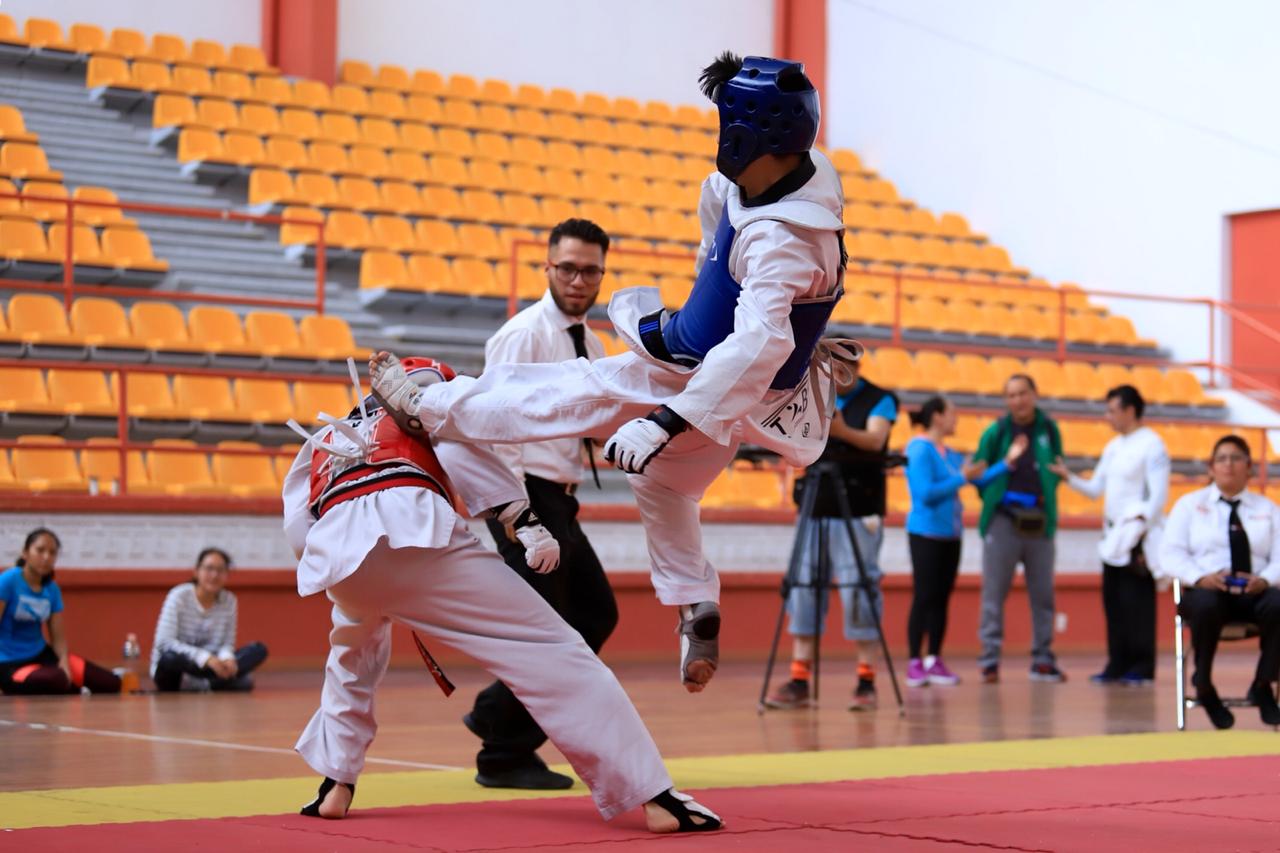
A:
(29, 600)
(935, 475)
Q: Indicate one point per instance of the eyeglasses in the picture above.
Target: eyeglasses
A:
(565, 273)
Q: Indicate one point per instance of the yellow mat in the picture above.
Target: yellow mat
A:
(134, 803)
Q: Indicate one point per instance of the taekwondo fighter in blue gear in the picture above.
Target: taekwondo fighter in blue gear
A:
(740, 361)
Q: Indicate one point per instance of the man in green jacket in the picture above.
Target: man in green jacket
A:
(1018, 522)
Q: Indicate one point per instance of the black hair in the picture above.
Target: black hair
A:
(31, 540)
(1031, 383)
(226, 558)
(721, 70)
(1129, 397)
(582, 229)
(1235, 440)
(929, 409)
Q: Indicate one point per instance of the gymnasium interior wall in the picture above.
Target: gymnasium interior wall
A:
(227, 21)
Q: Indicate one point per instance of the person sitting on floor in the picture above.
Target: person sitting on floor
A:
(29, 601)
(195, 645)
(1223, 543)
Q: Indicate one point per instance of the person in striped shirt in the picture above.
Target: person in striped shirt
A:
(195, 644)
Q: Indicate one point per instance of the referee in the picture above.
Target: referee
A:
(550, 330)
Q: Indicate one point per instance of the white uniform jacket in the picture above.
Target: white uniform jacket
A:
(332, 548)
(782, 252)
(1195, 537)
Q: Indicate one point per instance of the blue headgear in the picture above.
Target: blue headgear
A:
(769, 107)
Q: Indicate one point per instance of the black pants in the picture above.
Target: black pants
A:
(934, 564)
(578, 590)
(1207, 610)
(171, 666)
(41, 676)
(1129, 603)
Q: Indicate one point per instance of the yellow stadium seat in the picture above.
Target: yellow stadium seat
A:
(107, 71)
(392, 77)
(329, 157)
(173, 111)
(259, 119)
(199, 145)
(355, 72)
(264, 401)
(128, 247)
(311, 94)
(312, 398)
(1112, 375)
(272, 186)
(394, 233)
(101, 322)
(479, 241)
(463, 87)
(300, 230)
(81, 392)
(161, 326)
(101, 466)
(285, 152)
(379, 269)
(217, 114)
(12, 127)
(496, 119)
(953, 225)
(233, 85)
(358, 193)
(444, 202)
(273, 90)
(1182, 388)
(245, 475)
(26, 161)
(180, 473)
(401, 197)
(427, 83)
(250, 58)
(417, 138)
(409, 166)
(23, 239)
(370, 161)
(431, 273)
(205, 398)
(9, 35)
(1080, 381)
(85, 249)
(937, 370)
(151, 76)
(23, 389)
(148, 395)
(390, 105)
(327, 336)
(379, 133)
(42, 32)
(339, 127)
(496, 91)
(273, 333)
(9, 206)
(476, 277)
(347, 230)
(192, 81)
(893, 367)
(206, 52)
(424, 109)
(437, 237)
(481, 205)
(320, 190)
(86, 38)
(218, 330)
(459, 114)
(37, 318)
(45, 211)
(44, 466)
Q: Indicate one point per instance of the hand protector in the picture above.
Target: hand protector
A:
(636, 442)
(392, 384)
(541, 550)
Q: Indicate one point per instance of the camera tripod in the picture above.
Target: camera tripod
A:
(821, 578)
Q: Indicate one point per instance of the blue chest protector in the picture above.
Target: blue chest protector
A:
(707, 316)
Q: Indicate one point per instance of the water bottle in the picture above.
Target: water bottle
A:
(129, 672)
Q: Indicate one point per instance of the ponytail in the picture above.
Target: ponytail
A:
(931, 408)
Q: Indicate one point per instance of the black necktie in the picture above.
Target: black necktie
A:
(1241, 558)
(578, 332)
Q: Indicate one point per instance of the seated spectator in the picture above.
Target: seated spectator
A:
(195, 640)
(1223, 543)
(935, 475)
(29, 601)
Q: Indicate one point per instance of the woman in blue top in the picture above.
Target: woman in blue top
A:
(29, 600)
(935, 475)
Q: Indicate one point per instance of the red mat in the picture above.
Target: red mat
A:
(1183, 805)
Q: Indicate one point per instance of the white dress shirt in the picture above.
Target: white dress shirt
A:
(1133, 477)
(1195, 538)
(539, 333)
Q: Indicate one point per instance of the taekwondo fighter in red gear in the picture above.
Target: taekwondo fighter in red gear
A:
(369, 510)
(740, 361)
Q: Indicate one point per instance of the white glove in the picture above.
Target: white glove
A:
(635, 444)
(541, 550)
(392, 384)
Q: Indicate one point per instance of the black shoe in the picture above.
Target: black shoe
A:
(1219, 714)
(312, 809)
(469, 721)
(1261, 695)
(991, 673)
(1047, 672)
(531, 778)
(1104, 677)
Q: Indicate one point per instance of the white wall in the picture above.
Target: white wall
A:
(227, 21)
(1100, 142)
(651, 50)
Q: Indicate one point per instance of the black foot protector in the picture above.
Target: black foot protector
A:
(691, 815)
(312, 809)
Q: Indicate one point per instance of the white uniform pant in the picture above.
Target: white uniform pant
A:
(465, 596)
(515, 403)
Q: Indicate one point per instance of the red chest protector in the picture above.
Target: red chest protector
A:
(390, 459)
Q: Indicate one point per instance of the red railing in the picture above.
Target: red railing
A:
(123, 444)
(69, 287)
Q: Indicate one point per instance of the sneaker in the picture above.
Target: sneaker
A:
(991, 673)
(917, 675)
(1133, 679)
(1047, 672)
(864, 695)
(1104, 677)
(938, 673)
(792, 694)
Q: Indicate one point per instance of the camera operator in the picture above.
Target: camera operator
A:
(856, 448)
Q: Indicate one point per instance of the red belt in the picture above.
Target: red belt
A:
(351, 485)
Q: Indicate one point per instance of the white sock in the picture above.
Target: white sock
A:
(929, 661)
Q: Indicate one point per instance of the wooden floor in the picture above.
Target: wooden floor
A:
(60, 742)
